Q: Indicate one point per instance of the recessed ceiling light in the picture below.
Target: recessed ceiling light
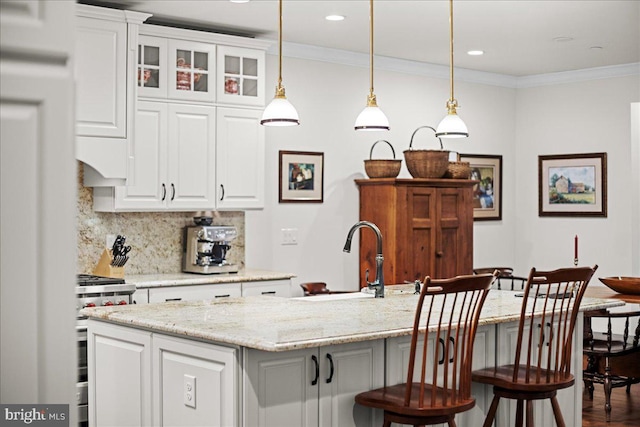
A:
(596, 48)
(562, 39)
(334, 18)
(239, 1)
(475, 52)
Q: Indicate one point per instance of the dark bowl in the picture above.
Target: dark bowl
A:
(623, 285)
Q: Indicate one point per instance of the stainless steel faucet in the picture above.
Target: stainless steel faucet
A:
(378, 285)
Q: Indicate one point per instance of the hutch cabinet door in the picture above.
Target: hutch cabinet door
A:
(454, 249)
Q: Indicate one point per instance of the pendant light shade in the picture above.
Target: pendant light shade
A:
(372, 117)
(451, 126)
(280, 112)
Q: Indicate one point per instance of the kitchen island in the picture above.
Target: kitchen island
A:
(258, 361)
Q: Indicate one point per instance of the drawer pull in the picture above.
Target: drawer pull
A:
(222, 296)
(269, 293)
(173, 299)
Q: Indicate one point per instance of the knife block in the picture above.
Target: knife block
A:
(104, 267)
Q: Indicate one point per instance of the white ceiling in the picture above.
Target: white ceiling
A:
(516, 35)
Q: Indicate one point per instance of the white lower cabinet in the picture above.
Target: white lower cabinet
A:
(569, 399)
(276, 288)
(139, 378)
(194, 292)
(194, 384)
(397, 366)
(119, 362)
(312, 387)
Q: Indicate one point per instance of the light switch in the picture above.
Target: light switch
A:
(289, 236)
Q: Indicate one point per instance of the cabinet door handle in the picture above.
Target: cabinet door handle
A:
(315, 361)
(453, 342)
(173, 191)
(441, 361)
(173, 299)
(222, 296)
(164, 191)
(222, 188)
(269, 293)
(330, 368)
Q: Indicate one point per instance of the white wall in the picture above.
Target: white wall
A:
(328, 98)
(582, 117)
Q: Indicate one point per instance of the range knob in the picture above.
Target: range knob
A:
(89, 305)
(122, 302)
(107, 303)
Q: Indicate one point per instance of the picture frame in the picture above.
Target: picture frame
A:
(487, 194)
(572, 185)
(301, 177)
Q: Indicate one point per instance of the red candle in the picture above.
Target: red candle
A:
(575, 247)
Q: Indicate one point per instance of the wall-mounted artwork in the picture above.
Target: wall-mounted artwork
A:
(572, 185)
(487, 194)
(301, 177)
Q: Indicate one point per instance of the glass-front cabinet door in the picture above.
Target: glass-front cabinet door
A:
(241, 76)
(191, 71)
(151, 77)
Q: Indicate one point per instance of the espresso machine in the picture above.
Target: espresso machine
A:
(205, 247)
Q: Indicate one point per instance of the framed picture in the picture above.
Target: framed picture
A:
(301, 177)
(572, 185)
(487, 193)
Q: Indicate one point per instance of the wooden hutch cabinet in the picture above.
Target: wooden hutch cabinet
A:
(426, 224)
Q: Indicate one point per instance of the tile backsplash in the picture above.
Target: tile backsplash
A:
(155, 237)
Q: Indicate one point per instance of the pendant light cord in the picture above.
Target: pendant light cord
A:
(371, 46)
(280, 44)
(451, 47)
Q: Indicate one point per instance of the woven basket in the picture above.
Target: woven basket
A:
(382, 168)
(426, 163)
(458, 170)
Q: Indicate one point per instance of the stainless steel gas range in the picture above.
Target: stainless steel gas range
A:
(94, 291)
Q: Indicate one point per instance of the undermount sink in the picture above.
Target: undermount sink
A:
(334, 297)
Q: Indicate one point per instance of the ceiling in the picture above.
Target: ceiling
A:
(519, 37)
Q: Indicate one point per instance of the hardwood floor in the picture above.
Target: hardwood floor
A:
(625, 407)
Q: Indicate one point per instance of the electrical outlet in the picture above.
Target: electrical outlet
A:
(110, 239)
(189, 390)
(289, 236)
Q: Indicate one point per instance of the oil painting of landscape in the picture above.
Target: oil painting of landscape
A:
(572, 185)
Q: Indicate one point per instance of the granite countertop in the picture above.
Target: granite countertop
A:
(181, 279)
(282, 324)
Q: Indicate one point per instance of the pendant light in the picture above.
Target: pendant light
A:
(372, 117)
(280, 112)
(451, 126)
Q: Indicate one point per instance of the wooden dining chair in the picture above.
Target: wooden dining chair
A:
(448, 310)
(506, 278)
(314, 288)
(543, 355)
(612, 359)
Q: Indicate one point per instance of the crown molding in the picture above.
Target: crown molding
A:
(357, 59)
(579, 75)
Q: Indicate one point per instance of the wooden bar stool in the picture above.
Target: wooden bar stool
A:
(451, 309)
(543, 355)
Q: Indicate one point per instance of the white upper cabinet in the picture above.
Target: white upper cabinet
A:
(151, 75)
(172, 161)
(240, 76)
(240, 159)
(104, 66)
(101, 78)
(191, 71)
